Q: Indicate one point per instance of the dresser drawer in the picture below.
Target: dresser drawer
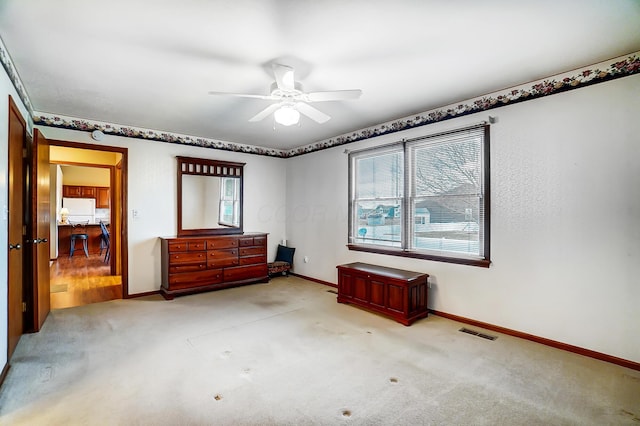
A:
(260, 241)
(250, 251)
(174, 269)
(246, 241)
(253, 260)
(220, 243)
(194, 279)
(220, 258)
(192, 245)
(187, 257)
(174, 246)
(245, 272)
(198, 245)
(216, 254)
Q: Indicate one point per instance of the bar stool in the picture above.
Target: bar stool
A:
(105, 242)
(79, 232)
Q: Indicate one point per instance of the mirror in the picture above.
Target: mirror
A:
(209, 197)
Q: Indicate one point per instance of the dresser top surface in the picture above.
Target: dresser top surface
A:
(207, 237)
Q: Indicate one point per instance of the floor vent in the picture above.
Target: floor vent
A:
(477, 333)
(332, 291)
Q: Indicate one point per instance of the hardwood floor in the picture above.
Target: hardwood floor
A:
(81, 280)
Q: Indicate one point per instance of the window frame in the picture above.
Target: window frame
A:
(407, 217)
(226, 198)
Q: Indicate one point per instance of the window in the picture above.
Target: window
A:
(229, 201)
(426, 198)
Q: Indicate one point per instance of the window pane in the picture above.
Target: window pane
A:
(451, 168)
(378, 223)
(379, 176)
(448, 224)
(227, 213)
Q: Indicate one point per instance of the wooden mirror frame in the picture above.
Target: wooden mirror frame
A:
(213, 168)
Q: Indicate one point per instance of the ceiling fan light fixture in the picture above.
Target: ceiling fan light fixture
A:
(286, 115)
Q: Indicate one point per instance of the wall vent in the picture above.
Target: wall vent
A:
(477, 333)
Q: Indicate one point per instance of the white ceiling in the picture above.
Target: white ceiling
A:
(150, 63)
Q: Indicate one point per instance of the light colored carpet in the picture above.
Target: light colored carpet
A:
(285, 353)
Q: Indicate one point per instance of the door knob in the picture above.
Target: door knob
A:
(16, 246)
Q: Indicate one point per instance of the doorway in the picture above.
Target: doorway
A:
(95, 269)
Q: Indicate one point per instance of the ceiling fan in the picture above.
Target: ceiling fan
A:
(291, 100)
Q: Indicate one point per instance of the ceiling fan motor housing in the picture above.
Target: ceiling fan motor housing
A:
(277, 91)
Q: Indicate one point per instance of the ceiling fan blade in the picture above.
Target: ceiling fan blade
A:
(284, 77)
(244, 95)
(334, 95)
(311, 112)
(265, 113)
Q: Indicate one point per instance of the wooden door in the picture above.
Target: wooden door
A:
(17, 136)
(41, 220)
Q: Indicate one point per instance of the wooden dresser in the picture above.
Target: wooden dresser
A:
(399, 294)
(201, 263)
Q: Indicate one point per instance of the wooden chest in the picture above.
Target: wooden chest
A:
(399, 294)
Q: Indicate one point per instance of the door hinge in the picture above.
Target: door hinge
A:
(24, 307)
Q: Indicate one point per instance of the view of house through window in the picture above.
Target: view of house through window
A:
(423, 198)
(379, 197)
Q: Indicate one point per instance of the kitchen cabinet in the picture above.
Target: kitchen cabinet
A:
(102, 197)
(87, 192)
(100, 193)
(72, 191)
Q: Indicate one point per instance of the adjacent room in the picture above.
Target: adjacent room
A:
(355, 212)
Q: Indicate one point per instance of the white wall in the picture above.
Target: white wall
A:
(55, 204)
(565, 220)
(565, 236)
(86, 176)
(6, 89)
(152, 191)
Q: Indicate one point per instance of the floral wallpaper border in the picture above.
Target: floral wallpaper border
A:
(619, 67)
(604, 71)
(7, 64)
(51, 120)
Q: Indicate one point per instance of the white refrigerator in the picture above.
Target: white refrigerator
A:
(80, 209)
